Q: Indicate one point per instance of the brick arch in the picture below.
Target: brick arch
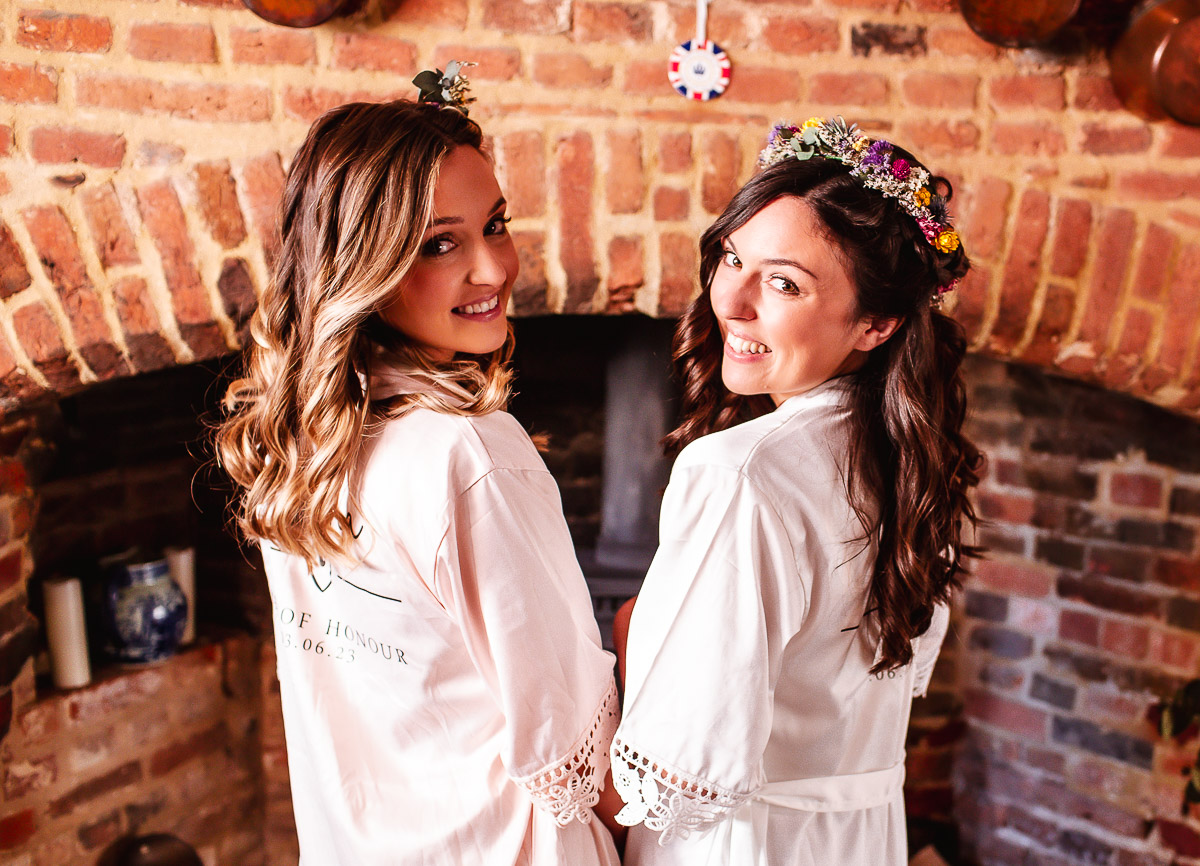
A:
(131, 274)
(1094, 289)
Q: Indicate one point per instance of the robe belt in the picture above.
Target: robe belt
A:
(835, 793)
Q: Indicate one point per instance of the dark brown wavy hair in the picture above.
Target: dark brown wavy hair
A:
(910, 465)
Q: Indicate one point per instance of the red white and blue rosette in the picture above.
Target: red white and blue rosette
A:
(699, 69)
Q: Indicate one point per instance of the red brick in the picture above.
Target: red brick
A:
(1103, 139)
(110, 231)
(762, 85)
(800, 35)
(941, 138)
(54, 144)
(521, 161)
(1022, 270)
(14, 276)
(987, 216)
(1006, 508)
(1158, 251)
(647, 77)
(1122, 638)
(838, 88)
(20, 83)
(206, 102)
(625, 184)
(492, 64)
(1174, 650)
(1008, 714)
(626, 273)
(6, 140)
(971, 298)
(219, 203)
(564, 69)
(1095, 93)
(16, 829)
(940, 90)
(177, 43)
(575, 170)
(1028, 92)
(164, 219)
(40, 337)
(1183, 302)
(528, 16)
(674, 152)
(60, 257)
(1013, 579)
(262, 188)
(148, 349)
(529, 291)
(1159, 185)
(719, 170)
(1114, 248)
(1181, 141)
(1038, 138)
(1058, 311)
(611, 22)
(879, 5)
(203, 742)
(671, 204)
(11, 570)
(273, 46)
(732, 26)
(447, 14)
(1130, 488)
(1127, 361)
(1073, 229)
(54, 31)
(308, 103)
(679, 259)
(372, 52)
(86, 792)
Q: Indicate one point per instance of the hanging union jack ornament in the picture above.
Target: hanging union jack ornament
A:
(699, 69)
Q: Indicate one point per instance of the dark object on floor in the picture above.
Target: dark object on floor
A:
(153, 849)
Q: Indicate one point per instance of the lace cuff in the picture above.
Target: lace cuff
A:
(569, 789)
(665, 799)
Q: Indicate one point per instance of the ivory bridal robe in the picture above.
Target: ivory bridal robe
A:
(446, 699)
(753, 733)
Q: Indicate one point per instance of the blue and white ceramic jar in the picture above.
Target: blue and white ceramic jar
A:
(145, 611)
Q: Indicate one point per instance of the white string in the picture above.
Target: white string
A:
(701, 21)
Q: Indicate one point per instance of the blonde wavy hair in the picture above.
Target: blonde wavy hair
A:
(357, 202)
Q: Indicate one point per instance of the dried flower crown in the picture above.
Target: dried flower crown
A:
(447, 89)
(871, 162)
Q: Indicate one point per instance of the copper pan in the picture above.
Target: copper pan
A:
(1155, 65)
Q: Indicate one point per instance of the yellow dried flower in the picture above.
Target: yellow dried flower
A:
(946, 241)
(922, 196)
(813, 122)
(861, 142)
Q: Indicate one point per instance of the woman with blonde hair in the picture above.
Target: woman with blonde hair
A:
(446, 699)
(813, 527)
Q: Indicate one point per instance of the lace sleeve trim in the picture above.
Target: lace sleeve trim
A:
(569, 789)
(665, 799)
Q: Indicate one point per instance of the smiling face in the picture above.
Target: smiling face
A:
(785, 303)
(454, 298)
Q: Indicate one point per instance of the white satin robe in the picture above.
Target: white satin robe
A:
(753, 734)
(446, 699)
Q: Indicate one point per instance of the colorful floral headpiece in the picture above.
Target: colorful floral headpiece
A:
(871, 162)
(448, 89)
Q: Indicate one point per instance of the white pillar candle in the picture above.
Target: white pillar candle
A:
(66, 632)
(182, 562)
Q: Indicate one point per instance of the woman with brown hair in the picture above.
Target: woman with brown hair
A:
(446, 700)
(812, 530)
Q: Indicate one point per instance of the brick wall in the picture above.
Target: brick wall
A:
(174, 748)
(1086, 614)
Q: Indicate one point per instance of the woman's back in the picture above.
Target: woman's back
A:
(418, 730)
(802, 745)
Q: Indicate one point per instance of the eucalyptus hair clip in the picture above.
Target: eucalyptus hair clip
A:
(447, 89)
